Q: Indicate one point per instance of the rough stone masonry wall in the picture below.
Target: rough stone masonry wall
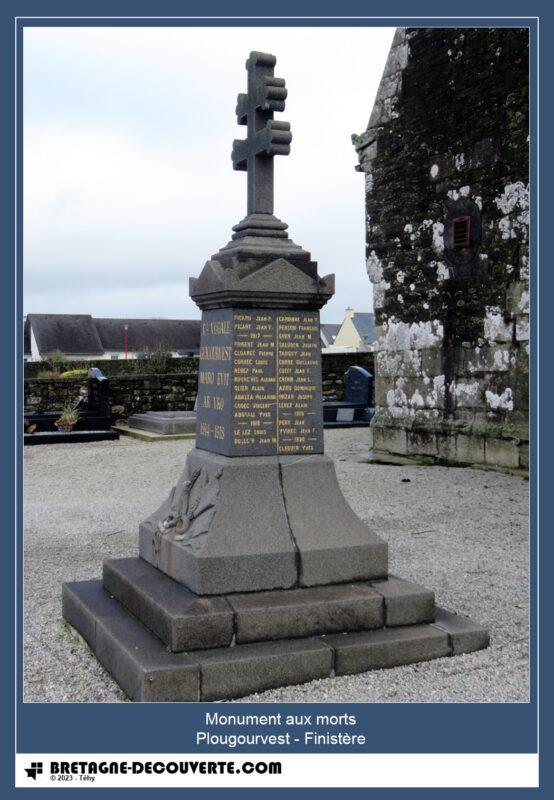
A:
(448, 138)
(131, 394)
(127, 394)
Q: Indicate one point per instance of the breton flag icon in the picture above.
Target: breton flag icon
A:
(34, 770)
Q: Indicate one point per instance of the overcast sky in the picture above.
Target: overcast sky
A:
(128, 183)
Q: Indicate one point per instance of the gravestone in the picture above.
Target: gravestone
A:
(354, 410)
(357, 386)
(98, 393)
(255, 573)
(94, 423)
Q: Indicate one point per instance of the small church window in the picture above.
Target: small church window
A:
(461, 232)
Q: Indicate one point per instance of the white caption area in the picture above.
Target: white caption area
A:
(392, 770)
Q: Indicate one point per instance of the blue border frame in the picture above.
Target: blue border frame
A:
(388, 727)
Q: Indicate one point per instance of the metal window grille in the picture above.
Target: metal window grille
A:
(461, 232)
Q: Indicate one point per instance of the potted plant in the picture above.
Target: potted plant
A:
(68, 419)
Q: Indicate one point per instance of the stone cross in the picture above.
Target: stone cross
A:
(266, 137)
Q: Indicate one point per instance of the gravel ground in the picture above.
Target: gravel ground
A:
(461, 532)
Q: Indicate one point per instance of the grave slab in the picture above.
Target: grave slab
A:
(181, 619)
(388, 647)
(305, 612)
(150, 436)
(139, 662)
(165, 422)
(73, 437)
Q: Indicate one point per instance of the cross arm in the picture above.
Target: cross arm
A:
(269, 95)
(273, 140)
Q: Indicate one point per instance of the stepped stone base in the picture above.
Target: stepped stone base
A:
(162, 642)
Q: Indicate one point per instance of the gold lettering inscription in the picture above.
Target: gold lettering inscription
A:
(216, 346)
(216, 352)
(275, 367)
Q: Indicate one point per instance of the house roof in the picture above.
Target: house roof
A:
(175, 334)
(363, 322)
(329, 332)
(82, 334)
(73, 334)
(26, 338)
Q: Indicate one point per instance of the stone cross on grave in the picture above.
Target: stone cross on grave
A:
(266, 137)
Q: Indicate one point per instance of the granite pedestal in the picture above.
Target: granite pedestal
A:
(260, 522)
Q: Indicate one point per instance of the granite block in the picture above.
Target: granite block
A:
(181, 619)
(470, 449)
(334, 545)
(465, 635)
(247, 668)
(305, 612)
(406, 603)
(240, 542)
(388, 647)
(135, 658)
(77, 599)
(502, 452)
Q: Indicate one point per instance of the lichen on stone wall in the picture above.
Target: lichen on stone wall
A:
(398, 335)
(447, 139)
(500, 401)
(514, 205)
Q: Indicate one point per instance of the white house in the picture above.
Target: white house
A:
(355, 334)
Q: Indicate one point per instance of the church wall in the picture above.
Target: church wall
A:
(445, 158)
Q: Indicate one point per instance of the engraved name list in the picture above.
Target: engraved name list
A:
(259, 382)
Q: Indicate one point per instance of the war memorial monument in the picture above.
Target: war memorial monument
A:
(255, 573)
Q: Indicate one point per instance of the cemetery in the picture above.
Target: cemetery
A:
(355, 409)
(86, 418)
(461, 532)
(271, 556)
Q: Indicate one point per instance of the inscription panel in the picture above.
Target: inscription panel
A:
(214, 400)
(271, 403)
